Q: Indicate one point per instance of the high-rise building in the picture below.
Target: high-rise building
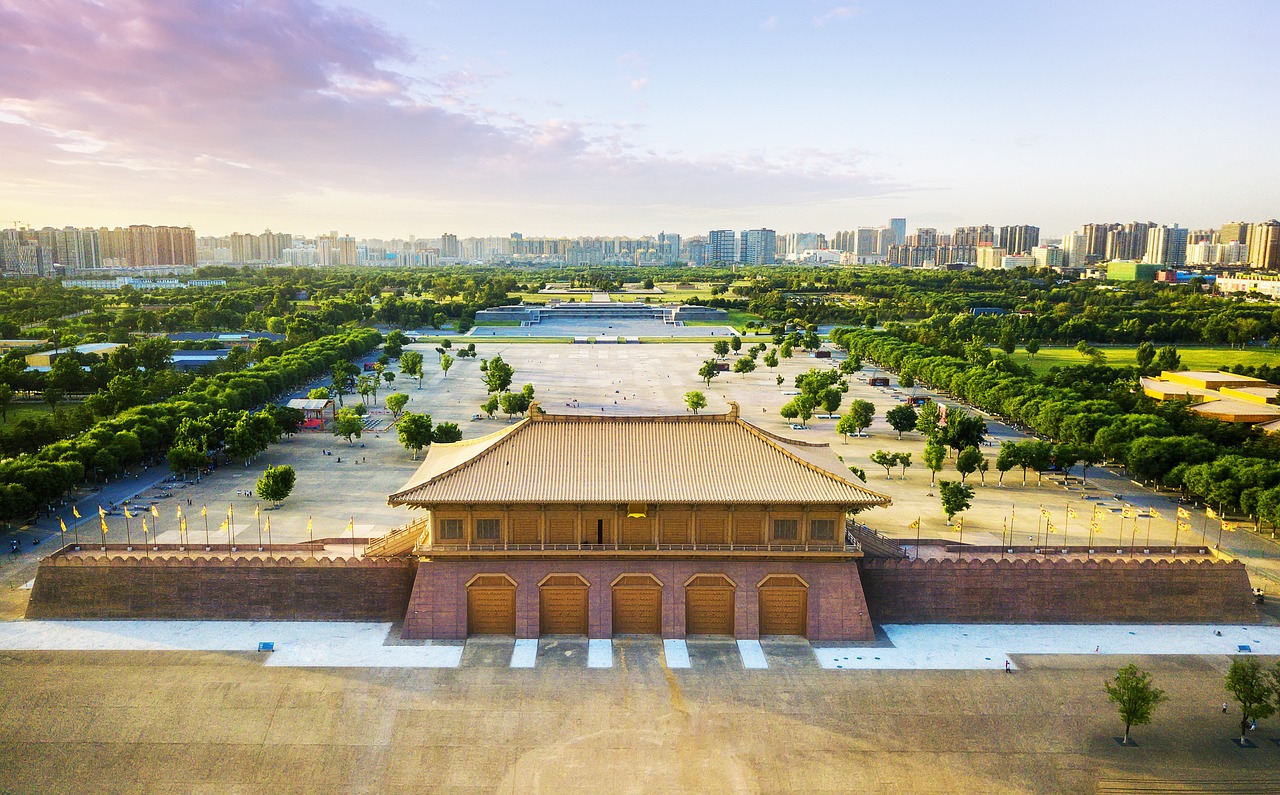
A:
(991, 257)
(1264, 245)
(1017, 240)
(668, 246)
(1166, 246)
(759, 247)
(449, 246)
(1234, 232)
(973, 236)
(722, 246)
(1095, 249)
(897, 232)
(1047, 257)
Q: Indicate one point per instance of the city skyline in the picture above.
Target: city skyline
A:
(383, 117)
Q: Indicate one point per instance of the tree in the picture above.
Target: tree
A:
(962, 430)
(799, 406)
(491, 406)
(185, 457)
(319, 393)
(883, 458)
(927, 418)
(6, 397)
(771, 358)
(906, 381)
(720, 348)
(367, 385)
(53, 396)
(695, 401)
(779, 380)
(983, 466)
(446, 433)
(389, 377)
(276, 483)
(934, 455)
(904, 461)
(446, 361)
(1008, 458)
(1253, 691)
(396, 403)
(901, 418)
(411, 365)
(348, 424)
(1033, 347)
(860, 414)
(1008, 340)
(342, 374)
(415, 432)
(955, 497)
(1037, 455)
(1145, 355)
(1132, 692)
(744, 365)
(497, 375)
(967, 461)
(1167, 359)
(1090, 455)
(784, 350)
(709, 369)
(735, 342)
(514, 403)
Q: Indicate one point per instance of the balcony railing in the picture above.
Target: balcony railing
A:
(468, 547)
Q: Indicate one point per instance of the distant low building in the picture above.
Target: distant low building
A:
(1128, 271)
(1217, 395)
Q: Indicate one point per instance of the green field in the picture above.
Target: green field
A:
(738, 318)
(1193, 358)
(497, 322)
(20, 411)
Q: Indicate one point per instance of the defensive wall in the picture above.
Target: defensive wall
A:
(903, 591)
(214, 587)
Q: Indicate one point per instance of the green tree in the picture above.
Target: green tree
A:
(1253, 690)
(1008, 458)
(1167, 359)
(348, 424)
(1037, 455)
(389, 377)
(735, 342)
(514, 403)
(901, 418)
(1033, 347)
(497, 375)
(904, 461)
(799, 406)
(446, 361)
(185, 457)
(395, 403)
(319, 393)
(54, 396)
(883, 458)
(720, 348)
(1008, 340)
(709, 369)
(695, 400)
(744, 365)
(415, 432)
(491, 406)
(6, 397)
(860, 412)
(967, 461)
(934, 456)
(784, 350)
(446, 433)
(1145, 354)
(411, 365)
(343, 373)
(276, 483)
(955, 497)
(1132, 692)
(928, 418)
(771, 358)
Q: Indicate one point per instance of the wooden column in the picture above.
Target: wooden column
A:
(506, 535)
(730, 529)
(655, 536)
(693, 524)
(768, 524)
(577, 524)
(468, 535)
(542, 525)
(802, 532)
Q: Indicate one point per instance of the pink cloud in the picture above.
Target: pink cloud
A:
(268, 98)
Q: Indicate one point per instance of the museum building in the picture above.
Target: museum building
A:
(609, 525)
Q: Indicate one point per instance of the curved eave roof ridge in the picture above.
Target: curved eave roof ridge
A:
(492, 440)
(779, 443)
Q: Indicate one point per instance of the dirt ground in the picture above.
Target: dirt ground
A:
(215, 723)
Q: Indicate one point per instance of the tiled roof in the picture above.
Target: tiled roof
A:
(567, 458)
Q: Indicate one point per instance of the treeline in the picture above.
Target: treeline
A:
(1098, 413)
(109, 446)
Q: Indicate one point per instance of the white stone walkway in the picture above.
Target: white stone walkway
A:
(983, 646)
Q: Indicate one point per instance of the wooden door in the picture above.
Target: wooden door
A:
(562, 605)
(784, 607)
(491, 609)
(708, 610)
(637, 608)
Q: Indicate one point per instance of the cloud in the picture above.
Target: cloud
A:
(769, 24)
(250, 103)
(837, 13)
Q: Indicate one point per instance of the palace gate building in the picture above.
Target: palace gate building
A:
(608, 525)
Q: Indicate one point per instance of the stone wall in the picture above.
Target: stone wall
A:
(836, 609)
(231, 588)
(1056, 591)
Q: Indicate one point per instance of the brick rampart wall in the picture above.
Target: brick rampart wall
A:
(837, 610)
(278, 589)
(1056, 591)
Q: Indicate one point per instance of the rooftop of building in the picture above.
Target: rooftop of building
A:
(674, 459)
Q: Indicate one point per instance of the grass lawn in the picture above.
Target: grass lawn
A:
(1193, 357)
(20, 411)
(738, 318)
(497, 322)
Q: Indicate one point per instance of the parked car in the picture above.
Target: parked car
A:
(795, 426)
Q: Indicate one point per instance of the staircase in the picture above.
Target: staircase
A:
(399, 542)
(873, 544)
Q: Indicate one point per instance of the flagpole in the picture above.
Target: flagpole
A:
(145, 547)
(270, 547)
(1204, 528)
(1004, 528)
(257, 514)
(204, 511)
(231, 523)
(155, 536)
(128, 536)
(1150, 518)
(75, 522)
(311, 536)
(1066, 527)
(1177, 525)
(353, 539)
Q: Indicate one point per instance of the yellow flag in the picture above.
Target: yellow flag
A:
(144, 527)
(308, 524)
(959, 523)
(101, 513)
(914, 525)
(1071, 513)
(1209, 512)
(223, 526)
(1154, 513)
(268, 524)
(127, 515)
(156, 511)
(62, 524)
(75, 513)
(1184, 525)
(103, 522)
(1051, 528)
(1094, 526)
(204, 510)
(1044, 513)
(182, 523)
(1230, 527)
(1183, 513)
(257, 510)
(179, 516)
(1126, 514)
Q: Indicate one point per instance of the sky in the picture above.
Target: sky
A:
(389, 118)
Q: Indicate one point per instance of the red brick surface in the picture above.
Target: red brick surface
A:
(837, 610)
(1056, 591)
(282, 589)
